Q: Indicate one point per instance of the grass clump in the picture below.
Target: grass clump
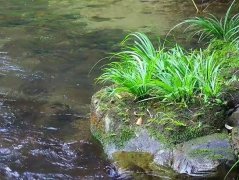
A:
(171, 75)
(226, 28)
(134, 70)
(184, 77)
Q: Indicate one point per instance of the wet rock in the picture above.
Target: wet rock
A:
(143, 142)
(164, 157)
(203, 156)
(235, 139)
(133, 161)
(233, 120)
(143, 152)
(112, 171)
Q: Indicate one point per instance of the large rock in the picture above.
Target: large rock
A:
(235, 139)
(203, 156)
(233, 120)
(136, 149)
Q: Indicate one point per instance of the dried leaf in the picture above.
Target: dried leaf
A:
(139, 121)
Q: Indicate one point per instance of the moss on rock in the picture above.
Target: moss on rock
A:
(166, 129)
(169, 123)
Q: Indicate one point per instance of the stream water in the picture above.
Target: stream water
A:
(47, 49)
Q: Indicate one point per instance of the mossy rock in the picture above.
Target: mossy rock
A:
(163, 132)
(171, 123)
(204, 155)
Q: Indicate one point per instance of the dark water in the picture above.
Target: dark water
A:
(47, 49)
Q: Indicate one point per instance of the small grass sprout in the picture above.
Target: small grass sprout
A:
(208, 75)
(226, 28)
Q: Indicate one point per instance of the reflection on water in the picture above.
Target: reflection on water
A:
(47, 48)
(41, 140)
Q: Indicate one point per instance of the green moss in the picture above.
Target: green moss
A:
(97, 134)
(187, 133)
(169, 123)
(201, 153)
(120, 138)
(159, 136)
(173, 127)
(171, 136)
(208, 153)
(224, 51)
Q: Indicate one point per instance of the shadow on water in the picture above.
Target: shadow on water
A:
(47, 49)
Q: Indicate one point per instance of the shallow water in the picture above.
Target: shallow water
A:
(47, 49)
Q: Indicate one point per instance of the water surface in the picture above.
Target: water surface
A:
(47, 49)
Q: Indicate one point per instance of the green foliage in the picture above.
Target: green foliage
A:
(175, 78)
(173, 75)
(133, 73)
(183, 76)
(226, 28)
(208, 75)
